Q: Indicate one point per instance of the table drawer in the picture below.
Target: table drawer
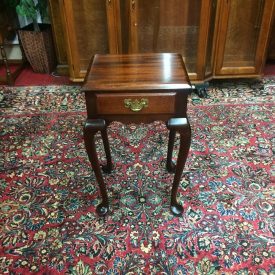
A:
(141, 103)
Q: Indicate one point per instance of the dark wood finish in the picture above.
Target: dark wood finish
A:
(108, 167)
(91, 127)
(271, 47)
(170, 165)
(182, 126)
(113, 80)
(8, 78)
(113, 103)
(8, 26)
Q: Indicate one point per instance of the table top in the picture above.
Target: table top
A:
(149, 71)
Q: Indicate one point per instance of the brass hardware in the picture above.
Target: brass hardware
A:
(136, 105)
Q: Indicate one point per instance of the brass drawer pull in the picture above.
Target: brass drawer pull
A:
(136, 105)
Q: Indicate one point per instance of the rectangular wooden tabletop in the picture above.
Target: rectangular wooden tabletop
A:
(149, 71)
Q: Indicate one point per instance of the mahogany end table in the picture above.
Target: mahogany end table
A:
(137, 88)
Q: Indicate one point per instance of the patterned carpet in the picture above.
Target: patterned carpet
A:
(48, 192)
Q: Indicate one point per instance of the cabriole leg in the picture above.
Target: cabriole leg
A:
(108, 167)
(170, 165)
(92, 126)
(183, 127)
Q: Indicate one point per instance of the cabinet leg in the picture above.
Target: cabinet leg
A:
(183, 127)
(91, 127)
(8, 72)
(108, 167)
(201, 89)
(170, 165)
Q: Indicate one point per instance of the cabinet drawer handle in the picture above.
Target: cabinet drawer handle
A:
(136, 105)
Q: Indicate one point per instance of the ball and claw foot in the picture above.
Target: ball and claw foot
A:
(102, 209)
(176, 209)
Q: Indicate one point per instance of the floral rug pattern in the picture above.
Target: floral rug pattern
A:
(48, 191)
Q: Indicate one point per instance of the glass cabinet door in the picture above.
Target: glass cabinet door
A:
(166, 26)
(89, 26)
(243, 33)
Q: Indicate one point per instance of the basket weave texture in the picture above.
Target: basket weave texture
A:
(39, 49)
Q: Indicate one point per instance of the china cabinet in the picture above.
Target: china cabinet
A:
(217, 38)
(90, 27)
(170, 26)
(59, 38)
(243, 29)
(129, 26)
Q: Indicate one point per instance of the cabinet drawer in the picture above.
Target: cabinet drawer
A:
(141, 103)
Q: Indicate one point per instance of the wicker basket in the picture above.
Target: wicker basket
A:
(38, 48)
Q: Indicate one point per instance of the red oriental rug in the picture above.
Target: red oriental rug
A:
(48, 191)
